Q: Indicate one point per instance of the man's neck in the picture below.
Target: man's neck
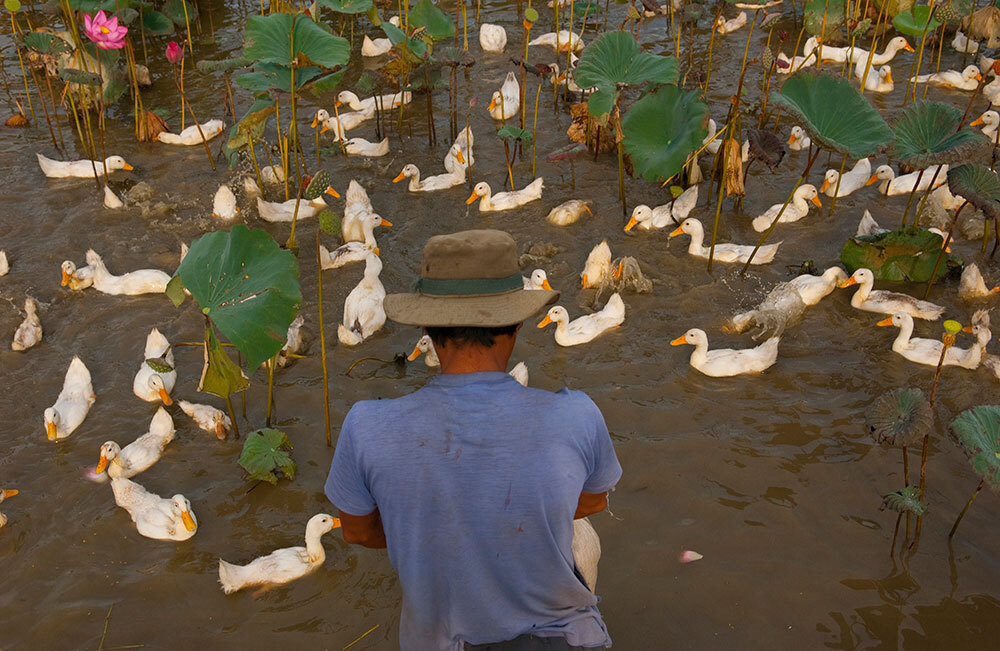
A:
(471, 362)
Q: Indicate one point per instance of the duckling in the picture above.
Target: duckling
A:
(537, 280)
(362, 147)
(506, 102)
(561, 42)
(724, 26)
(56, 169)
(798, 140)
(891, 185)
(29, 333)
(156, 376)
(727, 362)
(885, 302)
(964, 44)
(363, 311)
(723, 252)
(459, 157)
(354, 251)
(111, 200)
(141, 453)
(141, 281)
(850, 182)
(73, 403)
(972, 285)
(375, 102)
(992, 121)
(193, 134)
(282, 565)
(425, 347)
(490, 202)
(373, 47)
(585, 328)
(879, 81)
(154, 516)
(492, 38)
(569, 212)
(208, 418)
(967, 79)
(928, 351)
(669, 214)
(796, 209)
(224, 204)
(4, 494)
(76, 278)
(430, 183)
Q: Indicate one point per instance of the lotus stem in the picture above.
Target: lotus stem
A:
(822, 36)
(524, 81)
(45, 108)
(506, 157)
(836, 189)
(341, 132)
(718, 207)
(711, 45)
(909, 201)
(253, 157)
(923, 198)
(766, 89)
(181, 89)
(941, 254)
(232, 417)
(968, 107)
(965, 508)
(986, 234)
(940, 47)
(895, 532)
(270, 388)
(194, 118)
(871, 51)
(322, 340)
(734, 106)
(292, 244)
(915, 69)
(24, 77)
(187, 24)
(534, 129)
(465, 33)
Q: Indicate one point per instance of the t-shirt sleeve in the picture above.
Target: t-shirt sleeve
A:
(346, 485)
(605, 471)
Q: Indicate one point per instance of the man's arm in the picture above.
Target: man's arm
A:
(589, 504)
(366, 530)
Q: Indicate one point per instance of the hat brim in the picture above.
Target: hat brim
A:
(483, 311)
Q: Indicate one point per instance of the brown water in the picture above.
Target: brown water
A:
(772, 477)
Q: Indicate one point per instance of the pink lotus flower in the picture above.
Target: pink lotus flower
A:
(175, 52)
(105, 32)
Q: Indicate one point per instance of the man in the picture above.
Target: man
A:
(473, 481)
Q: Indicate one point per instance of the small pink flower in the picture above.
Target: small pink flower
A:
(689, 556)
(175, 52)
(105, 32)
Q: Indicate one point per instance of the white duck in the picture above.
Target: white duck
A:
(796, 209)
(375, 102)
(57, 169)
(224, 204)
(812, 289)
(76, 278)
(29, 333)
(4, 263)
(796, 63)
(282, 565)
(430, 183)
(354, 251)
(928, 351)
(586, 549)
(964, 44)
(141, 281)
(724, 26)
(272, 174)
(425, 347)
(568, 212)
(490, 202)
(884, 302)
(967, 79)
(537, 280)
(506, 102)
(141, 453)
(4, 494)
(156, 376)
(73, 403)
(519, 373)
(362, 147)
(972, 285)
(669, 214)
(723, 252)
(559, 78)
(357, 207)
(154, 516)
(207, 418)
(560, 42)
(878, 80)
(585, 328)
(284, 211)
(111, 200)
(891, 185)
(363, 311)
(727, 362)
(191, 135)
(868, 226)
(295, 341)
(460, 157)
(492, 38)
(798, 140)
(856, 54)
(373, 47)
(343, 123)
(850, 182)
(597, 269)
(991, 121)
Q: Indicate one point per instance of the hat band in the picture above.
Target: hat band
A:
(468, 286)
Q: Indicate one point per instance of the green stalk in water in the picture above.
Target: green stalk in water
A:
(836, 189)
(27, 93)
(975, 493)
(915, 69)
(534, 129)
(718, 210)
(941, 254)
(322, 340)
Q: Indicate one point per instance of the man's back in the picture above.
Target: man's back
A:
(477, 480)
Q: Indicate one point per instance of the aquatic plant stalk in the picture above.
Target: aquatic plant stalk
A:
(534, 129)
(718, 208)
(940, 47)
(322, 340)
(24, 77)
(836, 189)
(915, 69)
(972, 498)
(909, 200)
(711, 45)
(941, 254)
(194, 118)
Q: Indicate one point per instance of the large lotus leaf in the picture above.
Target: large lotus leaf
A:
(906, 500)
(438, 25)
(977, 431)
(662, 129)
(614, 59)
(250, 125)
(978, 185)
(269, 39)
(414, 47)
(156, 23)
(899, 417)
(247, 286)
(271, 76)
(46, 43)
(908, 254)
(834, 113)
(824, 13)
(347, 6)
(220, 376)
(264, 452)
(916, 22)
(174, 10)
(927, 134)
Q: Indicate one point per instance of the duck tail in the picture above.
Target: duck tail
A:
(230, 576)
(347, 336)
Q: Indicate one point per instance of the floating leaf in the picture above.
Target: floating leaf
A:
(662, 129)
(928, 134)
(264, 451)
(347, 6)
(820, 14)
(908, 254)
(978, 185)
(899, 417)
(515, 133)
(427, 15)
(977, 432)
(906, 500)
(220, 376)
(916, 22)
(270, 39)
(156, 23)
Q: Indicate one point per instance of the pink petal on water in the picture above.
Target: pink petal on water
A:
(689, 556)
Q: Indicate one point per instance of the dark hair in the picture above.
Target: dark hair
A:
(469, 335)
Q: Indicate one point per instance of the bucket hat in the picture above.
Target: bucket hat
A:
(470, 278)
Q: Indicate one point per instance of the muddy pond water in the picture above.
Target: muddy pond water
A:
(772, 478)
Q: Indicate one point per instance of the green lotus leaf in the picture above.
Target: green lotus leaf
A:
(222, 65)
(156, 23)
(436, 23)
(613, 60)
(220, 376)
(76, 76)
(414, 47)
(266, 77)
(978, 185)
(908, 254)
(833, 113)
(977, 432)
(46, 43)
(662, 129)
(820, 14)
(264, 451)
(928, 134)
(899, 417)
(174, 10)
(250, 125)
(247, 286)
(916, 22)
(270, 39)
(347, 6)
(906, 500)
(515, 133)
